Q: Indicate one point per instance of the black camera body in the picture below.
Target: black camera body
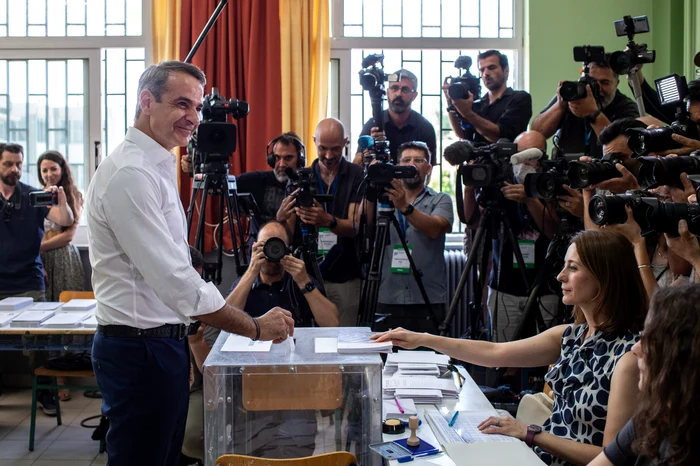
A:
(550, 184)
(305, 180)
(650, 213)
(43, 199)
(492, 165)
(584, 174)
(275, 249)
(381, 174)
(623, 61)
(215, 140)
(373, 76)
(461, 86)
(576, 90)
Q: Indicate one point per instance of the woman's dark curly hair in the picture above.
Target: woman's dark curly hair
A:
(669, 410)
(73, 196)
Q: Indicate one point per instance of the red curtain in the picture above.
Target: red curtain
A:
(240, 57)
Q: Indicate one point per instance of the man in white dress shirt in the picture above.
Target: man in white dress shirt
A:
(148, 294)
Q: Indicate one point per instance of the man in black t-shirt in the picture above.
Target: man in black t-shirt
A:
(401, 123)
(578, 123)
(501, 113)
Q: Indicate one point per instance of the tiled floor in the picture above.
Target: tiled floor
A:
(66, 445)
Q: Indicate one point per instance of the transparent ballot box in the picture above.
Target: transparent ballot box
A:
(286, 403)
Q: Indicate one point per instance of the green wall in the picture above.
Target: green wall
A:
(554, 27)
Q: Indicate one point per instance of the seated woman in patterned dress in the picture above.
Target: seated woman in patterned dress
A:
(666, 428)
(594, 375)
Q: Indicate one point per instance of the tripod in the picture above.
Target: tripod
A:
(370, 287)
(495, 217)
(215, 181)
(308, 251)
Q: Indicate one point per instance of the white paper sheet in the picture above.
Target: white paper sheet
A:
(241, 344)
(493, 454)
(325, 345)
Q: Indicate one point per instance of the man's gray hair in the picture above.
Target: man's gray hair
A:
(405, 74)
(155, 79)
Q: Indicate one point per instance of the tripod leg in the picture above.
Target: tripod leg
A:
(416, 273)
(516, 249)
(241, 256)
(471, 258)
(370, 287)
(199, 236)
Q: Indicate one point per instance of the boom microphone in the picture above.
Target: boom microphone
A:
(457, 152)
(525, 156)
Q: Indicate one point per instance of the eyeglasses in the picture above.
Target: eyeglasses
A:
(403, 90)
(414, 160)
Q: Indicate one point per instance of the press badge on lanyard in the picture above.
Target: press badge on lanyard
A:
(399, 259)
(326, 240)
(526, 243)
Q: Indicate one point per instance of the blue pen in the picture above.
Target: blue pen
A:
(453, 420)
(406, 459)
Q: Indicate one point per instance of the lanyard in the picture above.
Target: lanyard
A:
(403, 221)
(333, 189)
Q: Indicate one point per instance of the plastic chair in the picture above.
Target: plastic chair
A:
(66, 296)
(338, 458)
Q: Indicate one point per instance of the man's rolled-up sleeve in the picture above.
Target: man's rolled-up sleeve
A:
(132, 207)
(444, 208)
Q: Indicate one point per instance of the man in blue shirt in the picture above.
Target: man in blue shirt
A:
(22, 228)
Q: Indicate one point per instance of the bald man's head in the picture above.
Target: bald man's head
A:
(330, 141)
(273, 229)
(531, 139)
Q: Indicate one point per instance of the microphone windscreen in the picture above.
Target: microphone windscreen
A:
(457, 152)
(365, 142)
(526, 155)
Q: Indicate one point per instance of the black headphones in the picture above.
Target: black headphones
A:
(300, 147)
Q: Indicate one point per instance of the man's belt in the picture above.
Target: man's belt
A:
(179, 332)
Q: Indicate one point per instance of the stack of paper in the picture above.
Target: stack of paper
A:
(416, 363)
(6, 317)
(31, 319)
(392, 408)
(358, 342)
(44, 307)
(405, 369)
(79, 305)
(414, 388)
(66, 320)
(90, 322)
(15, 304)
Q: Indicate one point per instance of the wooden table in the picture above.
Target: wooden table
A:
(46, 339)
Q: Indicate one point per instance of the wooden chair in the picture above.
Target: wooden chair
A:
(66, 296)
(338, 458)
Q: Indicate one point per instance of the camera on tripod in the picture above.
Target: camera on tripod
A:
(623, 61)
(461, 86)
(672, 90)
(650, 213)
(304, 179)
(215, 140)
(576, 90)
(492, 161)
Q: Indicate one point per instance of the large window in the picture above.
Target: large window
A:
(68, 76)
(424, 37)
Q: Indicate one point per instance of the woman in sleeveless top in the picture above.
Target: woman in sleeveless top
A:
(594, 375)
(64, 269)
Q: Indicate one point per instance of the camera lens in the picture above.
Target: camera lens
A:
(572, 90)
(274, 249)
(583, 174)
(670, 213)
(647, 172)
(607, 210)
(458, 90)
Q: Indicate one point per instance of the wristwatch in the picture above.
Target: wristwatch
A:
(308, 288)
(593, 116)
(409, 210)
(532, 430)
(333, 224)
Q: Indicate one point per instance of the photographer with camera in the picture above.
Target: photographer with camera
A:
(533, 226)
(425, 217)
(337, 221)
(22, 227)
(578, 122)
(276, 278)
(501, 113)
(401, 123)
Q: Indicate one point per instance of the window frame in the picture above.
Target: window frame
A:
(341, 47)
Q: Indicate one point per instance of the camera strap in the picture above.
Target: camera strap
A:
(332, 189)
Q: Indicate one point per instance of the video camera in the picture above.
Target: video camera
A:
(215, 140)
(576, 90)
(650, 213)
(461, 86)
(623, 61)
(305, 180)
(672, 90)
(43, 199)
(381, 174)
(492, 161)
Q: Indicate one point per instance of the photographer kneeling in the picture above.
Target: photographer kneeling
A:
(425, 217)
